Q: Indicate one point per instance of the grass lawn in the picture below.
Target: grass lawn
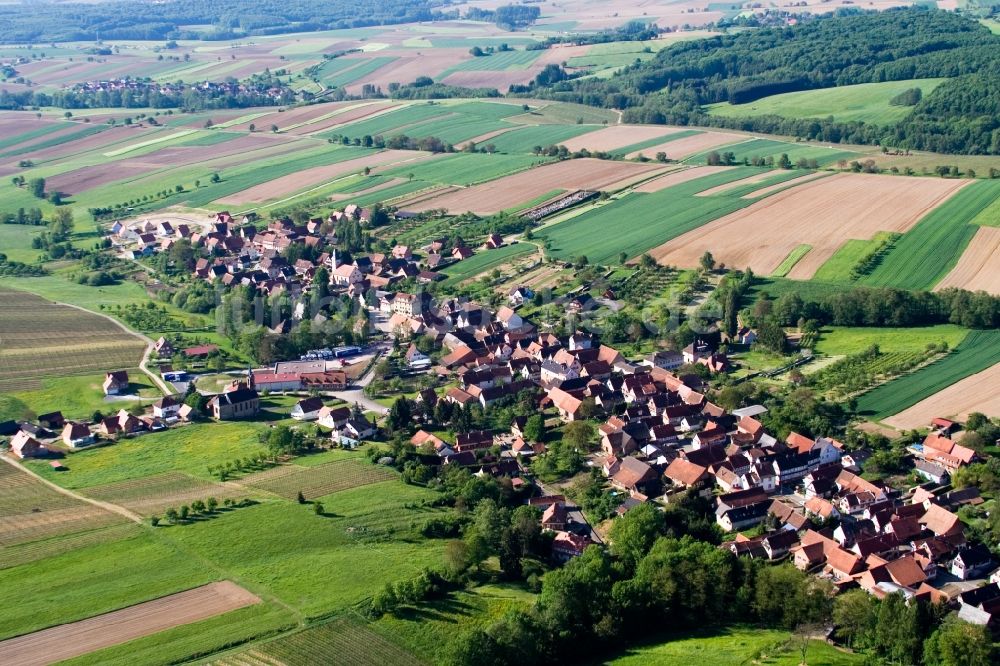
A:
(840, 265)
(77, 397)
(867, 102)
(735, 646)
(793, 258)
(486, 260)
(57, 288)
(93, 580)
(320, 564)
(191, 448)
(15, 242)
(844, 340)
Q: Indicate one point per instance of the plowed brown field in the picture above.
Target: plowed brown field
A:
(617, 136)
(678, 149)
(977, 393)
(821, 213)
(979, 266)
(510, 191)
(78, 638)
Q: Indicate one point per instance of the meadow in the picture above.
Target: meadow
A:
(764, 148)
(789, 262)
(865, 102)
(844, 340)
(840, 266)
(642, 221)
(932, 247)
(77, 397)
(486, 260)
(977, 352)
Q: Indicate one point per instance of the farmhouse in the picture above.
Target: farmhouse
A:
(167, 407)
(115, 382)
(24, 445)
(308, 409)
(76, 435)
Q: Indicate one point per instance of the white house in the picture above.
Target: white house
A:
(166, 407)
(333, 417)
(307, 409)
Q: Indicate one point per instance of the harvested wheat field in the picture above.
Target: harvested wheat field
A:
(823, 213)
(617, 136)
(511, 191)
(765, 191)
(979, 266)
(976, 393)
(95, 633)
(678, 149)
(296, 182)
(680, 176)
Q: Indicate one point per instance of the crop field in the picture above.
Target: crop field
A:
(844, 340)
(152, 494)
(498, 62)
(979, 266)
(518, 189)
(320, 564)
(643, 221)
(289, 480)
(929, 251)
(764, 148)
(92, 580)
(40, 339)
(685, 145)
(823, 213)
(30, 510)
(190, 448)
(977, 352)
(976, 393)
(342, 71)
(785, 267)
(387, 124)
(620, 137)
(865, 102)
(486, 260)
(120, 626)
(32, 551)
(343, 642)
(465, 169)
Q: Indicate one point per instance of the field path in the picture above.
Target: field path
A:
(79, 638)
(145, 338)
(107, 506)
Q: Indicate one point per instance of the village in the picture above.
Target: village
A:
(648, 425)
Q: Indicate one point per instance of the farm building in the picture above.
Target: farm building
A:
(201, 351)
(76, 435)
(115, 382)
(308, 409)
(24, 445)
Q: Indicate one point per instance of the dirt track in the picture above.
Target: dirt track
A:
(77, 638)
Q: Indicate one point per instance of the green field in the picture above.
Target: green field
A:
(320, 564)
(978, 351)
(989, 216)
(465, 168)
(764, 148)
(486, 260)
(566, 113)
(793, 258)
(844, 340)
(736, 646)
(643, 221)
(840, 266)
(77, 397)
(386, 123)
(191, 448)
(361, 67)
(865, 102)
(81, 133)
(932, 247)
(656, 141)
(525, 139)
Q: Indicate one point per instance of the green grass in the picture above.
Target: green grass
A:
(190, 641)
(77, 397)
(793, 258)
(498, 62)
(60, 289)
(389, 193)
(15, 242)
(40, 131)
(363, 68)
(427, 630)
(643, 221)
(465, 168)
(212, 138)
(840, 265)
(486, 260)
(811, 290)
(989, 216)
(132, 147)
(992, 24)
(524, 139)
(845, 340)
(455, 129)
(977, 352)
(735, 646)
(93, 580)
(771, 148)
(386, 123)
(566, 113)
(866, 102)
(932, 247)
(321, 564)
(345, 642)
(191, 448)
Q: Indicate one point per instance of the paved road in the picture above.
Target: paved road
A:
(356, 393)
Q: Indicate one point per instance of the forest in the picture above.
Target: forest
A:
(132, 19)
(845, 49)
